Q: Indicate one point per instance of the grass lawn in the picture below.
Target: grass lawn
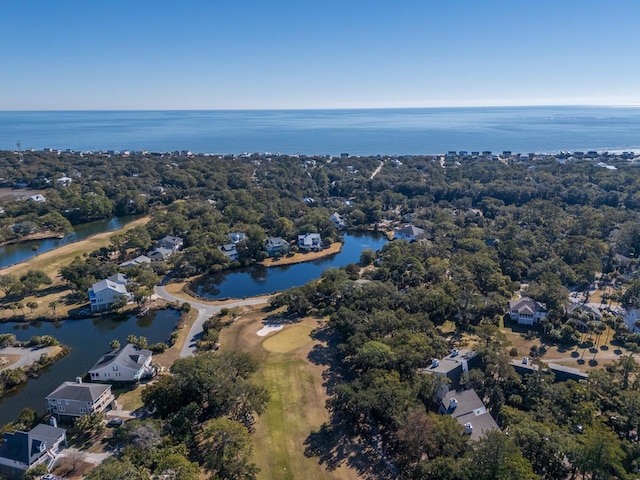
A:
(297, 404)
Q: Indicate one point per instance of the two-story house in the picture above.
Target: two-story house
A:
(410, 233)
(310, 242)
(104, 294)
(75, 399)
(21, 451)
(526, 311)
(275, 246)
(126, 364)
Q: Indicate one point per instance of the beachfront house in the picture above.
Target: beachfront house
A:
(21, 451)
(106, 293)
(275, 246)
(310, 242)
(126, 364)
(410, 233)
(526, 311)
(75, 399)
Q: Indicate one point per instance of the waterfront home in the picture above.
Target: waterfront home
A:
(230, 251)
(21, 451)
(104, 294)
(410, 233)
(310, 242)
(126, 364)
(338, 221)
(470, 412)
(75, 399)
(526, 311)
(275, 246)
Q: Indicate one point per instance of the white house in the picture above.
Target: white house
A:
(127, 364)
(105, 293)
(21, 451)
(75, 399)
(237, 237)
(276, 246)
(38, 198)
(64, 181)
(310, 241)
(410, 233)
(526, 311)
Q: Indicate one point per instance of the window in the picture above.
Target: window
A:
(115, 368)
(61, 409)
(66, 402)
(83, 410)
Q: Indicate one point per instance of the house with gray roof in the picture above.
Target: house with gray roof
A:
(126, 364)
(470, 412)
(410, 233)
(526, 311)
(229, 250)
(75, 399)
(310, 242)
(276, 246)
(104, 294)
(21, 451)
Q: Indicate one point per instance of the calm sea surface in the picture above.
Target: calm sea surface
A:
(358, 132)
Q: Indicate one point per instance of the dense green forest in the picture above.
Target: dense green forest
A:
(492, 227)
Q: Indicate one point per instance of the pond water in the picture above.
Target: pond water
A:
(259, 280)
(88, 339)
(19, 252)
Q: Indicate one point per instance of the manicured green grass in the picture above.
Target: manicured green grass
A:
(288, 340)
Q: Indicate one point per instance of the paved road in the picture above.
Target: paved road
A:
(204, 311)
(27, 355)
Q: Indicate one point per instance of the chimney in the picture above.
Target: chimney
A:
(78, 379)
(525, 360)
(53, 422)
(435, 362)
(454, 352)
(468, 429)
(453, 403)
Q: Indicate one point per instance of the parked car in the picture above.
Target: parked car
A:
(115, 422)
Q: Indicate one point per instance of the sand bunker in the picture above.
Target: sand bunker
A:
(268, 328)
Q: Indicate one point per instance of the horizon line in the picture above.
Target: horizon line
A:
(585, 105)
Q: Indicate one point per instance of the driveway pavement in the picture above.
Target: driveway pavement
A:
(204, 311)
(27, 355)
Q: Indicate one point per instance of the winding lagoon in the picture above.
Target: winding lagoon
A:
(88, 339)
(260, 280)
(20, 252)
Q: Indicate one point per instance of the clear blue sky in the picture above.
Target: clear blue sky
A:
(245, 54)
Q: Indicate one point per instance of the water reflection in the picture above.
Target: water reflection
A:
(259, 280)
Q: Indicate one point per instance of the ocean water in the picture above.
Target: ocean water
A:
(357, 132)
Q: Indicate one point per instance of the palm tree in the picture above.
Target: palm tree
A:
(20, 305)
(32, 306)
(52, 306)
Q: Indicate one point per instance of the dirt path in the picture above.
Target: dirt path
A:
(376, 171)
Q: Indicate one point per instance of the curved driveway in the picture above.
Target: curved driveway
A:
(204, 311)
